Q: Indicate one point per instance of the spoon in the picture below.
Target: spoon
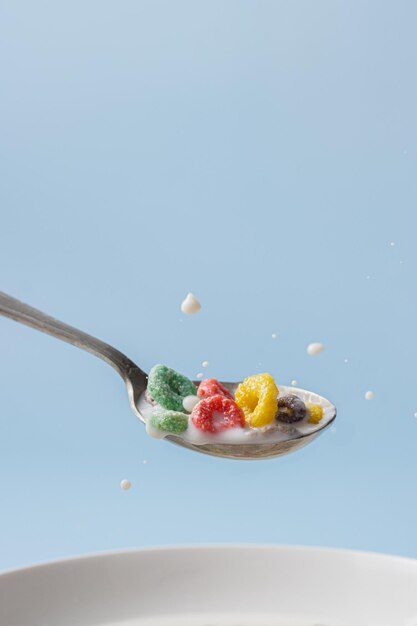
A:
(136, 382)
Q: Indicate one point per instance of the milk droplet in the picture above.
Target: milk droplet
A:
(392, 244)
(199, 375)
(205, 363)
(346, 360)
(274, 335)
(294, 382)
(313, 349)
(125, 484)
(190, 305)
(369, 395)
(189, 402)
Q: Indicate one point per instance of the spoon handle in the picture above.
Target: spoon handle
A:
(25, 314)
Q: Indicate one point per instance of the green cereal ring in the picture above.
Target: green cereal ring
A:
(170, 421)
(169, 388)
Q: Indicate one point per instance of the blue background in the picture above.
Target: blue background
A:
(262, 155)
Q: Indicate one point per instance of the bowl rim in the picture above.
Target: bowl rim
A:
(207, 547)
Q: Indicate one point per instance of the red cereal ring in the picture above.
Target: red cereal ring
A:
(213, 387)
(217, 413)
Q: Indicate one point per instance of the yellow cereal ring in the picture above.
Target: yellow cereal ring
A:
(257, 397)
(315, 413)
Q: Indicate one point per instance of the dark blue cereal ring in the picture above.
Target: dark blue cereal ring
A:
(290, 409)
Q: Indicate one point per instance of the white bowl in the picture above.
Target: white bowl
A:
(216, 586)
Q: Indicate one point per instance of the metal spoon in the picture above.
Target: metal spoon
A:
(136, 381)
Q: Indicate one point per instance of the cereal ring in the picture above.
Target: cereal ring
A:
(169, 388)
(315, 413)
(217, 413)
(212, 387)
(257, 397)
(291, 409)
(169, 421)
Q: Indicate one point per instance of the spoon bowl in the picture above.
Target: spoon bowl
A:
(292, 437)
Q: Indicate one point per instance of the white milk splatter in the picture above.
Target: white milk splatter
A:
(190, 305)
(125, 484)
(313, 349)
(199, 375)
(189, 402)
(369, 395)
(205, 364)
(294, 382)
(274, 335)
